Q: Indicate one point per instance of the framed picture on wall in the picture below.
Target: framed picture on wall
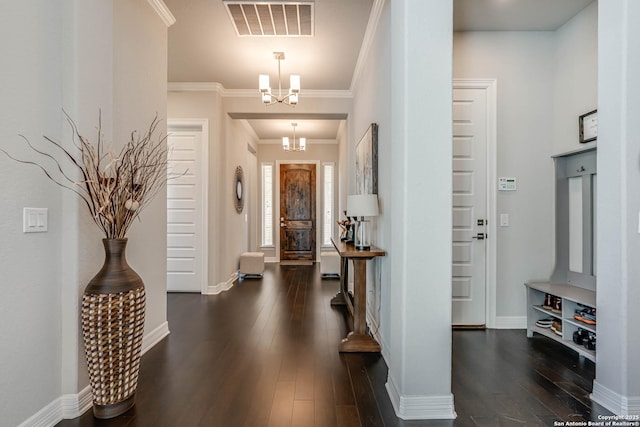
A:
(588, 126)
(367, 162)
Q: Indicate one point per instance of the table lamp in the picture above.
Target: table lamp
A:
(362, 205)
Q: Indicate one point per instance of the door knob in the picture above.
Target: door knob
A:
(480, 236)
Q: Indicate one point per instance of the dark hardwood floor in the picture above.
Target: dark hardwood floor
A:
(265, 354)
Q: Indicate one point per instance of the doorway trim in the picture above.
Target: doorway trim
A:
(203, 126)
(490, 86)
(277, 205)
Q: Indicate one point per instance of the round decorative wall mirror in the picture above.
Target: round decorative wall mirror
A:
(239, 189)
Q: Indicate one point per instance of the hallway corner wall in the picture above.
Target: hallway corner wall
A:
(76, 56)
(140, 94)
(30, 309)
(523, 64)
(207, 105)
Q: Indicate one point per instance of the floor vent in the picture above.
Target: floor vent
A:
(271, 18)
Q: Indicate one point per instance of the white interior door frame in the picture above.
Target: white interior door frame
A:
(277, 204)
(490, 86)
(203, 126)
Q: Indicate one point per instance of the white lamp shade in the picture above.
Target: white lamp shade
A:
(362, 205)
(294, 83)
(303, 144)
(293, 99)
(285, 142)
(263, 81)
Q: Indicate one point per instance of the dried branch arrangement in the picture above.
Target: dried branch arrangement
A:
(115, 188)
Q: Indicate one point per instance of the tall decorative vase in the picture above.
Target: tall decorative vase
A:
(113, 307)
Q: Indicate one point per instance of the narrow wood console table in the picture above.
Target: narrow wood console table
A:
(358, 340)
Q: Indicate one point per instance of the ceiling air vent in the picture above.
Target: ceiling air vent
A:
(271, 19)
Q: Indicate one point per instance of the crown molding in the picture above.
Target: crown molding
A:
(311, 93)
(308, 93)
(241, 93)
(367, 41)
(309, 142)
(195, 87)
(249, 93)
(163, 11)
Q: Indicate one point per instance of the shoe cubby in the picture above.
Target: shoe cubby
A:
(572, 299)
(569, 312)
(573, 279)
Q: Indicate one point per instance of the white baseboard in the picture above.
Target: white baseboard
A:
(616, 403)
(510, 322)
(270, 259)
(420, 407)
(154, 337)
(222, 286)
(74, 405)
(69, 406)
(375, 330)
(65, 407)
(48, 416)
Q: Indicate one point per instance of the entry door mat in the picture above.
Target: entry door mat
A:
(296, 262)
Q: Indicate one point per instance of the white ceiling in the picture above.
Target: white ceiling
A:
(204, 47)
(310, 129)
(514, 15)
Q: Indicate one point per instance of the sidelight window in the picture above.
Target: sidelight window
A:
(267, 204)
(328, 170)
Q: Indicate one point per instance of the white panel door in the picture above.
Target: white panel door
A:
(469, 207)
(184, 212)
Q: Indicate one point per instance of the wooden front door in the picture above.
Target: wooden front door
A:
(298, 212)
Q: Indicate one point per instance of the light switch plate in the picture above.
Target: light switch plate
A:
(35, 220)
(504, 220)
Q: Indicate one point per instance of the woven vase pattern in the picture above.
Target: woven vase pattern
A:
(113, 311)
(112, 327)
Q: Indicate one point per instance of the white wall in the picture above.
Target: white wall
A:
(228, 139)
(30, 310)
(235, 226)
(87, 89)
(61, 55)
(546, 79)
(370, 105)
(206, 105)
(523, 64)
(576, 74)
(420, 208)
(617, 384)
(343, 169)
(140, 93)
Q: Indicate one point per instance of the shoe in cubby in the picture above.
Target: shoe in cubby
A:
(580, 336)
(556, 326)
(545, 322)
(590, 342)
(585, 314)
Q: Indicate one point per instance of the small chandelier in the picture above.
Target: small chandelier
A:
(268, 98)
(301, 144)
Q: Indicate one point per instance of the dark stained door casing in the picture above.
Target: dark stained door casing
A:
(298, 212)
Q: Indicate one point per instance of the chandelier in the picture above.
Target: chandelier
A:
(301, 144)
(268, 98)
